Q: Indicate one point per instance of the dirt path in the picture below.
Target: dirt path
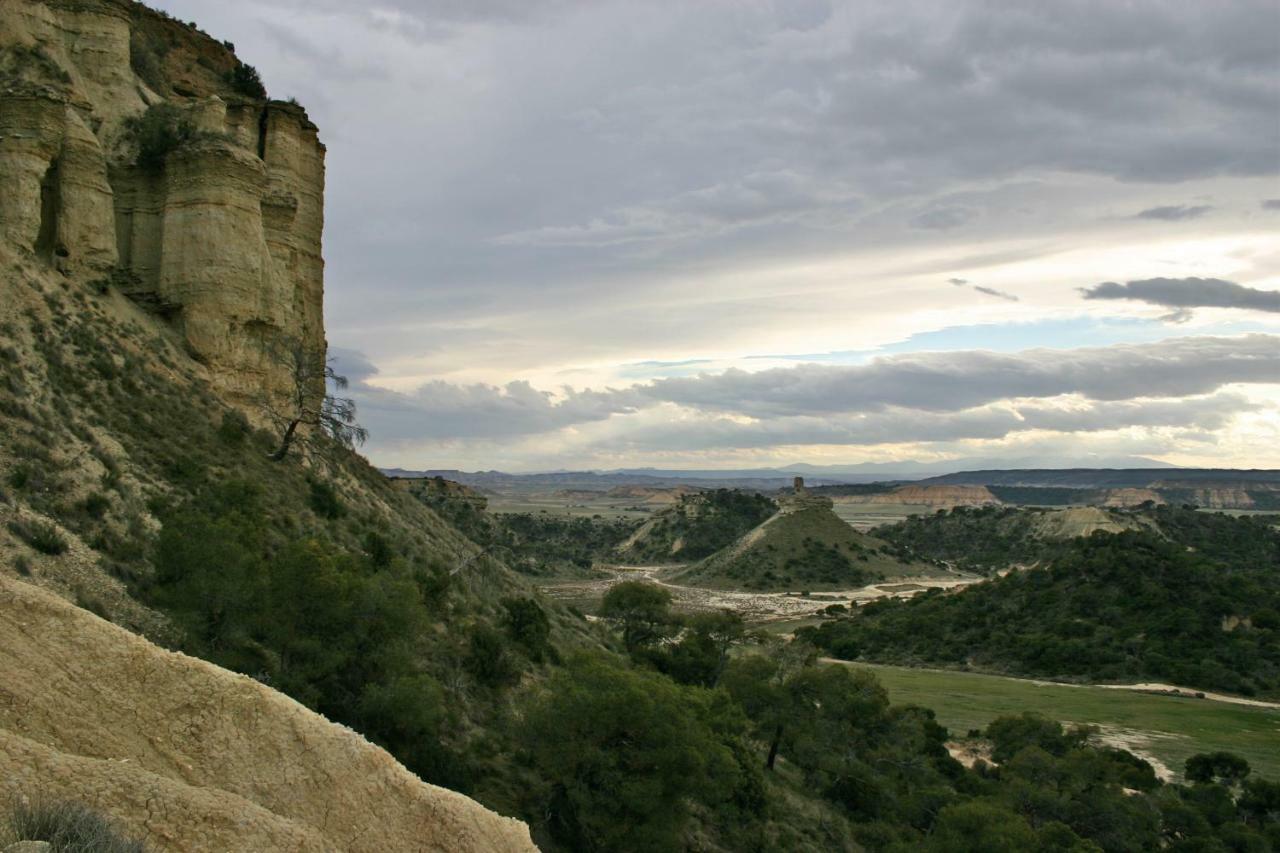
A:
(1174, 690)
(754, 606)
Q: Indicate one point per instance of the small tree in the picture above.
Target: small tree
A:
(1225, 768)
(642, 610)
(305, 413)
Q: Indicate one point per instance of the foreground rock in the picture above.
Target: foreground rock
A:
(195, 758)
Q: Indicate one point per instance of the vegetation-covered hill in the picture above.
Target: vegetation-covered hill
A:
(696, 527)
(1127, 607)
(805, 547)
(130, 488)
(986, 539)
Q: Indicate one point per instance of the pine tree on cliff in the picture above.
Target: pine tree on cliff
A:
(305, 414)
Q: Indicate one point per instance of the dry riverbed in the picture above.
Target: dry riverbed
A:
(754, 606)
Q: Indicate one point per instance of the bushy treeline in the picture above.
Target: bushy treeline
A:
(654, 755)
(983, 539)
(539, 544)
(348, 632)
(976, 539)
(1112, 607)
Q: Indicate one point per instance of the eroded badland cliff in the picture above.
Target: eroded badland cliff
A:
(213, 222)
(199, 758)
(160, 230)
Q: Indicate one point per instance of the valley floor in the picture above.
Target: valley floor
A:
(753, 606)
(1162, 727)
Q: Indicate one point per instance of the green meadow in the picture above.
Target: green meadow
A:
(1170, 728)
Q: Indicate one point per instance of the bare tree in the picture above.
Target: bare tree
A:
(305, 413)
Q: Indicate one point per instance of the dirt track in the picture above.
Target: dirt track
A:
(754, 606)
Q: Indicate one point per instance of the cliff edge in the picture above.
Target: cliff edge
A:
(138, 149)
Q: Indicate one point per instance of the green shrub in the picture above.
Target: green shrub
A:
(69, 827)
(487, 658)
(245, 80)
(146, 58)
(234, 428)
(95, 505)
(527, 624)
(324, 501)
(160, 130)
(40, 535)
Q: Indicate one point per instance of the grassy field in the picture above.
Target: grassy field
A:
(552, 505)
(1170, 728)
(863, 517)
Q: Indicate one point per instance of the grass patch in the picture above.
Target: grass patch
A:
(966, 700)
(41, 535)
(69, 827)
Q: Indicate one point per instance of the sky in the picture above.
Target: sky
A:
(745, 233)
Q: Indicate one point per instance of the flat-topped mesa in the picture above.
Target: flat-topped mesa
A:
(217, 228)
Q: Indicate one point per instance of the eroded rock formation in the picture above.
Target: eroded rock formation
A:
(196, 758)
(221, 236)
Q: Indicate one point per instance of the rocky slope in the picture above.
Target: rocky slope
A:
(136, 302)
(218, 232)
(195, 758)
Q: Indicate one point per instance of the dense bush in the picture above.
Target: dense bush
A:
(334, 629)
(245, 80)
(1129, 606)
(157, 132)
(622, 754)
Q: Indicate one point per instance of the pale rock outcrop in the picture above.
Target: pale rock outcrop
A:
(937, 497)
(223, 240)
(1131, 497)
(196, 758)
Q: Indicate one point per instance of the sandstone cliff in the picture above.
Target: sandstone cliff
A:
(220, 236)
(196, 758)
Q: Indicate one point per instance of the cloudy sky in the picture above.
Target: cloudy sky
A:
(572, 233)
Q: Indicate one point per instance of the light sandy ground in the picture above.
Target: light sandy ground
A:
(1139, 743)
(1174, 690)
(201, 760)
(754, 606)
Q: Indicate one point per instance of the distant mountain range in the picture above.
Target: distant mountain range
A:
(906, 470)
(1113, 478)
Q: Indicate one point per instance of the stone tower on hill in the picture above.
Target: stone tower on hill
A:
(218, 231)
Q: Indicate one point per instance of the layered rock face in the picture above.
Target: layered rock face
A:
(195, 758)
(222, 238)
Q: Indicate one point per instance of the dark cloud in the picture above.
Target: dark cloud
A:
(989, 291)
(1174, 212)
(954, 381)
(1187, 293)
(897, 425)
(1271, 204)
(974, 393)
(529, 152)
